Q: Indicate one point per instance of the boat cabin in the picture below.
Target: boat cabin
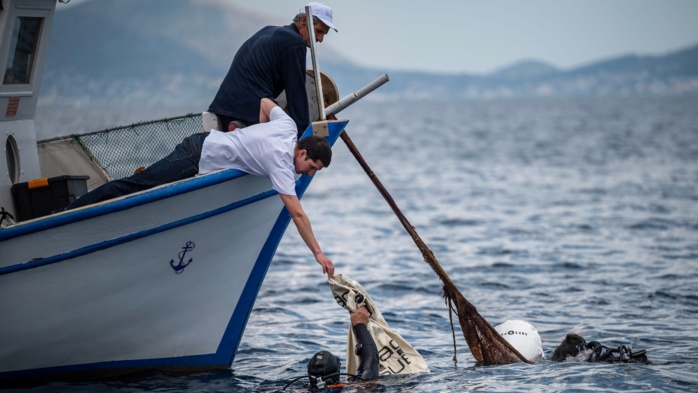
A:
(25, 27)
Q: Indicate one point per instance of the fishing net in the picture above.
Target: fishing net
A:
(120, 151)
(486, 344)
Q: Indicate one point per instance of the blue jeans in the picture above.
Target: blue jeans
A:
(182, 163)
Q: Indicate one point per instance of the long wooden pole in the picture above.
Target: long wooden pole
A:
(487, 346)
(426, 252)
(485, 343)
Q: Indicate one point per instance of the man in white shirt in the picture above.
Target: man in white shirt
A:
(265, 149)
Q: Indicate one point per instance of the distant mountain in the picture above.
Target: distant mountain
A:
(155, 53)
(528, 69)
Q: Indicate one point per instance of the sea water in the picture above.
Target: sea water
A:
(576, 215)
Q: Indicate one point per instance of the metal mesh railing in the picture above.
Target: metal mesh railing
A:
(122, 150)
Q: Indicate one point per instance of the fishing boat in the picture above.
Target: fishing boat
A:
(165, 278)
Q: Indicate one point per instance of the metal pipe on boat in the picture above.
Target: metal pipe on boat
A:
(355, 96)
(316, 68)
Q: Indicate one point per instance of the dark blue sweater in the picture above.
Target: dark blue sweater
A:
(269, 62)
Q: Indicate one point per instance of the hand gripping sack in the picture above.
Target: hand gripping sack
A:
(395, 355)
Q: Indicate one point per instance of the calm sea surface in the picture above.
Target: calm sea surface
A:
(577, 215)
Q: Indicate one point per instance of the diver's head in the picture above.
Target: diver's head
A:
(571, 346)
(326, 366)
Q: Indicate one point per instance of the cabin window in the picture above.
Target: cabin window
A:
(22, 54)
(12, 155)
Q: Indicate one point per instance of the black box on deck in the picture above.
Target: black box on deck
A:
(40, 197)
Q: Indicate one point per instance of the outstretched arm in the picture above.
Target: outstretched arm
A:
(293, 205)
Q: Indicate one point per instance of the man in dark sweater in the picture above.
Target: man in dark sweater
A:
(271, 61)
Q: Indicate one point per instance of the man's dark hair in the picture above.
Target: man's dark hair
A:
(317, 148)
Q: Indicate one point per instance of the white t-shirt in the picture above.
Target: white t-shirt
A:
(264, 149)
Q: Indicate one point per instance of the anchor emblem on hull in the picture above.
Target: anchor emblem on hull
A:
(181, 265)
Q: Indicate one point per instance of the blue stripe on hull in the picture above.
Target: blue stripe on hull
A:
(133, 236)
(116, 206)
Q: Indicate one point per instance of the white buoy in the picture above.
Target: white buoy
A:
(523, 336)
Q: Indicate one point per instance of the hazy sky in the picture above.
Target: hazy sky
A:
(479, 36)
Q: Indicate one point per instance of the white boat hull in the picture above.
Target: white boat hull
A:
(165, 278)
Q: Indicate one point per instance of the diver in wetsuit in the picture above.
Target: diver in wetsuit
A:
(324, 367)
(574, 344)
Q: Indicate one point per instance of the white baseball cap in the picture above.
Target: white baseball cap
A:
(322, 12)
(523, 336)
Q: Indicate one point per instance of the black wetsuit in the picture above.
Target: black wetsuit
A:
(623, 354)
(325, 367)
(574, 344)
(367, 351)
